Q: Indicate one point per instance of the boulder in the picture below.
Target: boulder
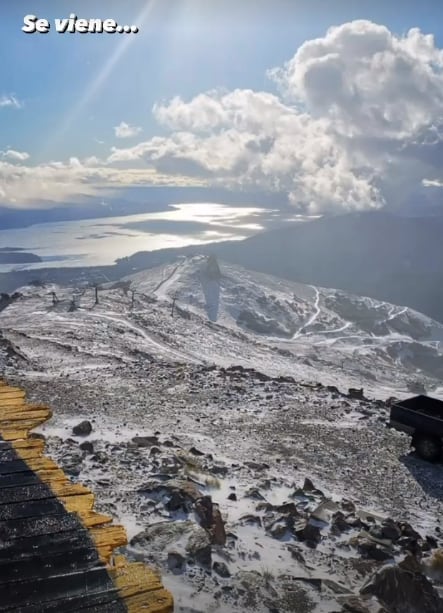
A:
(87, 446)
(403, 588)
(308, 485)
(157, 537)
(204, 511)
(221, 569)
(219, 470)
(358, 394)
(339, 523)
(310, 534)
(390, 530)
(199, 547)
(176, 561)
(218, 529)
(373, 551)
(84, 428)
(180, 494)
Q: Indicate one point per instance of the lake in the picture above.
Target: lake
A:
(97, 242)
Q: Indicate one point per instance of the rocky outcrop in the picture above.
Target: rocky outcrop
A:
(403, 588)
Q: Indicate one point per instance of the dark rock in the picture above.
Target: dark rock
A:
(257, 465)
(376, 532)
(100, 457)
(232, 497)
(204, 511)
(196, 452)
(199, 547)
(407, 530)
(145, 441)
(84, 428)
(325, 511)
(348, 506)
(373, 551)
(219, 470)
(390, 530)
(161, 535)
(250, 520)
(288, 508)
(168, 444)
(87, 446)
(403, 588)
(72, 469)
(254, 493)
(310, 534)
(333, 389)
(221, 569)
(409, 544)
(37, 435)
(358, 394)
(308, 485)
(354, 522)
(181, 494)
(218, 529)
(432, 542)
(285, 379)
(354, 604)
(296, 554)
(176, 561)
(155, 451)
(339, 523)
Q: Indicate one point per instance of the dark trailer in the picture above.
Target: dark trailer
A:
(422, 418)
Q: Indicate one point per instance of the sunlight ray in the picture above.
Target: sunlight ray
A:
(97, 83)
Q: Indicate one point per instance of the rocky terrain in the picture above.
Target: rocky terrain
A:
(253, 485)
(251, 493)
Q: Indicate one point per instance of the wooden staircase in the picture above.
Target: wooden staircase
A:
(56, 552)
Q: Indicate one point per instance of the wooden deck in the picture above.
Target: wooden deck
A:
(56, 552)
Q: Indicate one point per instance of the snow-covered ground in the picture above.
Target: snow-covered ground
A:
(238, 383)
(275, 326)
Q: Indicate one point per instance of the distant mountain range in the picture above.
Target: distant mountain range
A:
(129, 201)
(397, 259)
(376, 254)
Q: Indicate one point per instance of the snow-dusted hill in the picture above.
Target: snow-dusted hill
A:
(314, 327)
(196, 310)
(202, 385)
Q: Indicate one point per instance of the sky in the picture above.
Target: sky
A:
(337, 104)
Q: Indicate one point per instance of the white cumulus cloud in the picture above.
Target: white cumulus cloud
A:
(18, 156)
(124, 130)
(355, 122)
(358, 123)
(367, 80)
